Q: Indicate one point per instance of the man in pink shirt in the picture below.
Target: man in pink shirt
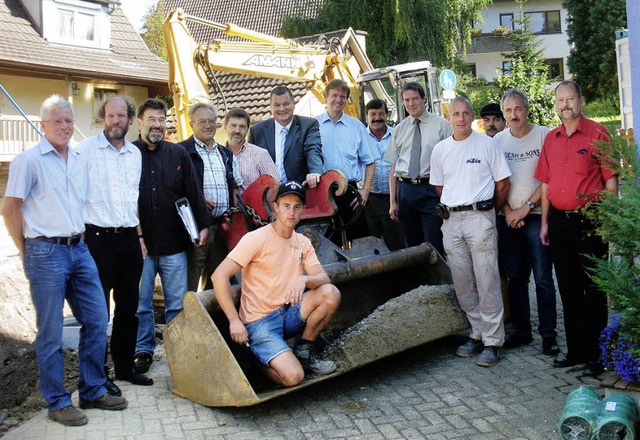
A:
(278, 265)
(253, 160)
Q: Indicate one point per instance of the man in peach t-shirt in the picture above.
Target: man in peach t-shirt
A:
(278, 265)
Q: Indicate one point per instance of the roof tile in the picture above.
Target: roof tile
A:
(128, 60)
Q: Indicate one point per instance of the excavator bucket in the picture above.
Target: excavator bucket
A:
(391, 301)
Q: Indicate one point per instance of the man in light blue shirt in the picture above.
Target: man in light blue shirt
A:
(345, 148)
(376, 211)
(46, 193)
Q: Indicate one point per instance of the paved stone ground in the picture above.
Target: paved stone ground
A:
(425, 393)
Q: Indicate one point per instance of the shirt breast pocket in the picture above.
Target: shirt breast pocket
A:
(583, 162)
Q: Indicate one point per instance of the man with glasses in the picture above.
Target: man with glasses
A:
(167, 175)
(219, 178)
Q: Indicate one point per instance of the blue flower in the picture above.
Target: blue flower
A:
(615, 351)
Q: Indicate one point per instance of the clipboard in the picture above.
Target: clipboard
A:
(188, 220)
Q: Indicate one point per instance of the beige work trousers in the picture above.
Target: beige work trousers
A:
(470, 240)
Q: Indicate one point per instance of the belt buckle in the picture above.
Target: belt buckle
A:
(72, 241)
(118, 230)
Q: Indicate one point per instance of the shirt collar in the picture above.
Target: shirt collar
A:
(581, 127)
(386, 134)
(103, 142)
(202, 145)
(47, 147)
(424, 117)
(280, 127)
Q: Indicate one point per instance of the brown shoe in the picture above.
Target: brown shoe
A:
(68, 416)
(107, 401)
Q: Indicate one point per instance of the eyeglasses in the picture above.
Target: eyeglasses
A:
(152, 120)
(205, 122)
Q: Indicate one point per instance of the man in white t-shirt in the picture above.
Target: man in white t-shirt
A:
(471, 176)
(278, 265)
(519, 227)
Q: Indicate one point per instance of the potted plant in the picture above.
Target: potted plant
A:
(475, 32)
(500, 31)
(618, 220)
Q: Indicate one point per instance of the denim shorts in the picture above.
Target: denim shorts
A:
(268, 335)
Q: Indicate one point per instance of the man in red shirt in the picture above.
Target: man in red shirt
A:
(572, 176)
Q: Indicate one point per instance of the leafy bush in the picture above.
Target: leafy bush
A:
(617, 220)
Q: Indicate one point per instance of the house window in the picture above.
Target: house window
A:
(556, 69)
(546, 22)
(506, 68)
(99, 97)
(75, 25)
(506, 20)
(77, 22)
(471, 69)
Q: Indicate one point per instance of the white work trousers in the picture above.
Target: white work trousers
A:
(470, 240)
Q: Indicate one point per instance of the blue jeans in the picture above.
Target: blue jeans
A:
(56, 272)
(268, 335)
(173, 274)
(523, 252)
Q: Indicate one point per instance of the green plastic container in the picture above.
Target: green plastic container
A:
(578, 420)
(617, 419)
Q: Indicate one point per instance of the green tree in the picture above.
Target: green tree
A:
(152, 32)
(398, 31)
(591, 27)
(528, 71)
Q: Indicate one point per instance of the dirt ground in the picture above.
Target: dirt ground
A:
(20, 398)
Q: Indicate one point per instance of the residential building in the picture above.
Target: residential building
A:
(85, 50)
(548, 20)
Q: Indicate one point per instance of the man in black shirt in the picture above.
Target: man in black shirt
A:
(167, 175)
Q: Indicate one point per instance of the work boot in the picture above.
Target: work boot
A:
(106, 401)
(311, 362)
(68, 416)
(470, 348)
(490, 356)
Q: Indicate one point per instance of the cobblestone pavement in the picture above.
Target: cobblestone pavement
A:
(425, 393)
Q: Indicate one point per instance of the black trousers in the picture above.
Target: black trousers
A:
(119, 260)
(572, 238)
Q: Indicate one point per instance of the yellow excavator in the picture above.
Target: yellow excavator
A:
(391, 301)
(193, 67)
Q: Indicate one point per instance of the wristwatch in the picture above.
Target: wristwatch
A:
(530, 204)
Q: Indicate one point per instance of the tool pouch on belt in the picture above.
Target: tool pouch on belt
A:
(442, 211)
(485, 205)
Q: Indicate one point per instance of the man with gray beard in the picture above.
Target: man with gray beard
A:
(167, 176)
(112, 230)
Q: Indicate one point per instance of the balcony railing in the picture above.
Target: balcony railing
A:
(487, 43)
(16, 135)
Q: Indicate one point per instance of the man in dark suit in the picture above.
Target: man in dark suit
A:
(292, 141)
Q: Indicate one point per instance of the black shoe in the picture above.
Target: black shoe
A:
(135, 378)
(592, 369)
(142, 361)
(112, 388)
(564, 362)
(516, 340)
(550, 347)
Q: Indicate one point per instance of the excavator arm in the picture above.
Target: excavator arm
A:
(193, 66)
